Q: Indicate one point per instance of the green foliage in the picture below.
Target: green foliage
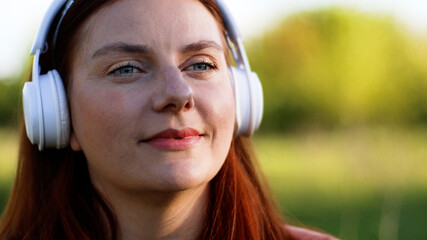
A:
(10, 95)
(9, 102)
(335, 67)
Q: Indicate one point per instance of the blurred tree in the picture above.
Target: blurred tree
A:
(10, 96)
(336, 67)
(9, 106)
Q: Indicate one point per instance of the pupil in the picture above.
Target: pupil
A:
(126, 70)
(201, 67)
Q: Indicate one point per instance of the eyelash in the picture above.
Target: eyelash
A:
(210, 65)
(122, 66)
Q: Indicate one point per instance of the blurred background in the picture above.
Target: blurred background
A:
(344, 136)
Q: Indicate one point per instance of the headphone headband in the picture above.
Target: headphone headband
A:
(56, 5)
(240, 57)
(52, 11)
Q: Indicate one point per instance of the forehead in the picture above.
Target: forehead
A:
(161, 24)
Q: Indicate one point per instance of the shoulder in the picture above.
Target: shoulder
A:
(306, 234)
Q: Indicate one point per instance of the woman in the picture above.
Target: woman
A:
(151, 153)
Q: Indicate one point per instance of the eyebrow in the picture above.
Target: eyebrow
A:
(200, 45)
(121, 47)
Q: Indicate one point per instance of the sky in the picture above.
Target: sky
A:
(19, 20)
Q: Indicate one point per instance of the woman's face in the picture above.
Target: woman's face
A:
(151, 100)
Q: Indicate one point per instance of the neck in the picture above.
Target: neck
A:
(160, 215)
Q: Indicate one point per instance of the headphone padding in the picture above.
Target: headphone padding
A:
(55, 112)
(245, 111)
(62, 112)
(31, 112)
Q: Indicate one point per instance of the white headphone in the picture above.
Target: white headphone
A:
(47, 120)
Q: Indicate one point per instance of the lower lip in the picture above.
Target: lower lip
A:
(174, 144)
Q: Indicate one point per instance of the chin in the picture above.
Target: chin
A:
(181, 178)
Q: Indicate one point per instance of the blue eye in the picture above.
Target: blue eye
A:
(200, 67)
(125, 70)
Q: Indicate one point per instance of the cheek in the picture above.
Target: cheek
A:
(218, 110)
(96, 114)
(87, 107)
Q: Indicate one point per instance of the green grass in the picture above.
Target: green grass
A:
(356, 184)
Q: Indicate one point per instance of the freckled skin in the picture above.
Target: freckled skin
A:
(111, 114)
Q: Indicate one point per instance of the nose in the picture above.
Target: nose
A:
(174, 93)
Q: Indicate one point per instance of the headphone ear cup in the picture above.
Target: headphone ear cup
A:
(248, 101)
(46, 114)
(55, 110)
(61, 112)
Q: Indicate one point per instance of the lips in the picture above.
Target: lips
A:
(173, 139)
(176, 134)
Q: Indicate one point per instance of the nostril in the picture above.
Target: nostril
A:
(176, 96)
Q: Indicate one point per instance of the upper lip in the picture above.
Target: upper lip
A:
(175, 134)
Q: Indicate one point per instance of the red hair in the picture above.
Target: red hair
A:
(53, 197)
(240, 207)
